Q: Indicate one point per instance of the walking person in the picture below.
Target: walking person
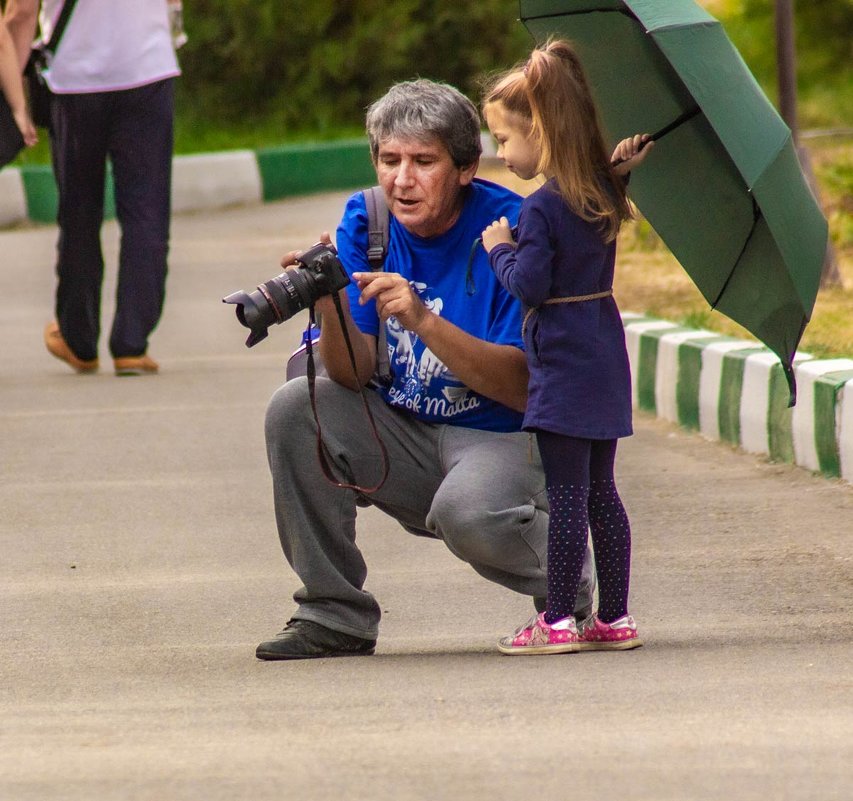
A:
(112, 76)
(544, 121)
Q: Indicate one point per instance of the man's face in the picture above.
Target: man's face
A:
(422, 185)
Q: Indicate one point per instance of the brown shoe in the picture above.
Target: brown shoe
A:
(135, 365)
(57, 346)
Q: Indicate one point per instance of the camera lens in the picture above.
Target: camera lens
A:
(297, 288)
(319, 273)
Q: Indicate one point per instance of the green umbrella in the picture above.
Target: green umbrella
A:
(724, 188)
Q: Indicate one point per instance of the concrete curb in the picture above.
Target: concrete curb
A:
(729, 390)
(215, 180)
(734, 391)
(209, 180)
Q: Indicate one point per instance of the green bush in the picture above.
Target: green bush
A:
(824, 54)
(279, 70)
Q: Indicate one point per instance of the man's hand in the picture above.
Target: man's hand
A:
(497, 233)
(292, 255)
(394, 296)
(324, 304)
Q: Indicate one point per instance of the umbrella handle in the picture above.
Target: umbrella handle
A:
(680, 120)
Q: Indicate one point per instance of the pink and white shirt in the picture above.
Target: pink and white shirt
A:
(109, 45)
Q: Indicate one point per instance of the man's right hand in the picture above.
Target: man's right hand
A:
(292, 256)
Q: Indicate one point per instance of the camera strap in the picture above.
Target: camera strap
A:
(322, 450)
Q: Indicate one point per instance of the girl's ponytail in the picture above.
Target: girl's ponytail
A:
(551, 90)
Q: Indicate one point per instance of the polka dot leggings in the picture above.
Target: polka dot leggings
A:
(582, 495)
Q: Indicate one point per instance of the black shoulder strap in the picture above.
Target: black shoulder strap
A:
(56, 34)
(378, 233)
(378, 226)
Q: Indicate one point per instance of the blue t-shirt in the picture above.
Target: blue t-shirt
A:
(456, 284)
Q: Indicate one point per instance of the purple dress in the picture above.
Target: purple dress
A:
(580, 380)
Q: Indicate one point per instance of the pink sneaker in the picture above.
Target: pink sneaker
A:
(537, 637)
(620, 635)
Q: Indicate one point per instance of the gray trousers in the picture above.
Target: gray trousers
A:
(481, 492)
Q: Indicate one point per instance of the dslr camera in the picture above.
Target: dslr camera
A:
(318, 272)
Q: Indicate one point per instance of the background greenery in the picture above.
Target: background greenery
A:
(259, 72)
(268, 72)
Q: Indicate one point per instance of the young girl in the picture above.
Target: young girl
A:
(544, 120)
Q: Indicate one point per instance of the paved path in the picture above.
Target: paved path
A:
(140, 568)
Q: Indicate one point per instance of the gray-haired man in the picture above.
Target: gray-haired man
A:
(460, 468)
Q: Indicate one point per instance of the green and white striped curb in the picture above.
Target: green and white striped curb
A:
(210, 180)
(727, 389)
(734, 391)
(215, 180)
(817, 414)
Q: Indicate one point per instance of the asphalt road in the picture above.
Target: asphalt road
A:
(141, 567)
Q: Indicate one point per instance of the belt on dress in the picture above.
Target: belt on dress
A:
(573, 299)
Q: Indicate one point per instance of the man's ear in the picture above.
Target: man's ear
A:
(466, 174)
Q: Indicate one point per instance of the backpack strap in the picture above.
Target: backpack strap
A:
(378, 234)
(378, 227)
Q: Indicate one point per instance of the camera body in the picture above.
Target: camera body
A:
(318, 272)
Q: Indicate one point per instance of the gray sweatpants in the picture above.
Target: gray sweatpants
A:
(481, 492)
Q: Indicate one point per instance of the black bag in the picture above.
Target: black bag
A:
(11, 140)
(378, 227)
(38, 91)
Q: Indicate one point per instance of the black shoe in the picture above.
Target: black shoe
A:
(303, 639)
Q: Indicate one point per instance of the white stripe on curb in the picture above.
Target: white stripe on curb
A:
(802, 422)
(214, 180)
(709, 384)
(755, 402)
(633, 335)
(13, 199)
(845, 430)
(666, 371)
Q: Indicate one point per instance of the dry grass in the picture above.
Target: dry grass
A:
(649, 280)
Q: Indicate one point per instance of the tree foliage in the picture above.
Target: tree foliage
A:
(316, 64)
(824, 52)
(310, 67)
(824, 35)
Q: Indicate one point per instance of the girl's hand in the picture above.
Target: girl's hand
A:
(498, 232)
(631, 153)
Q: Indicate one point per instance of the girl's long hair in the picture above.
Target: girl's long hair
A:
(551, 93)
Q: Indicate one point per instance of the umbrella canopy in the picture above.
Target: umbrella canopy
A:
(724, 188)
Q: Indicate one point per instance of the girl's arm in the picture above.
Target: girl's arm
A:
(525, 271)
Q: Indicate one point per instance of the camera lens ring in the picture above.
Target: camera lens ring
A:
(271, 300)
